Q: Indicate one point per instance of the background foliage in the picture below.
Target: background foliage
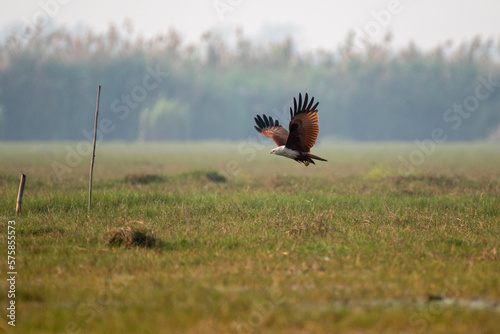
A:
(214, 88)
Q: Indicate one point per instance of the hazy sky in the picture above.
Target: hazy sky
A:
(313, 24)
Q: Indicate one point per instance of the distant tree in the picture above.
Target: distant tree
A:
(372, 92)
(168, 120)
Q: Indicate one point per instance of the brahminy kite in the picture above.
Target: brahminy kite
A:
(304, 129)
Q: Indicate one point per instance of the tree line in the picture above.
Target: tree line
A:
(162, 88)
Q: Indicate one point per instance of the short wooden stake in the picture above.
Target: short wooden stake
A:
(20, 193)
(93, 150)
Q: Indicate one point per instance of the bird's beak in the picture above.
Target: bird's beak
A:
(270, 152)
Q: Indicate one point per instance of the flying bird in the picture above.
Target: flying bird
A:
(303, 127)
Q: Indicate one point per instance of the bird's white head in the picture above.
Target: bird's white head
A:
(280, 150)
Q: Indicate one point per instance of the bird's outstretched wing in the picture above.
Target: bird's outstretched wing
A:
(304, 125)
(271, 129)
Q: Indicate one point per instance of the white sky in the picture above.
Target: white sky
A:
(313, 24)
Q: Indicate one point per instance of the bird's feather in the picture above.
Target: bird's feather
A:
(271, 129)
(304, 125)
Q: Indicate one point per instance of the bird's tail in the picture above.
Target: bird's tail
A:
(307, 158)
(312, 156)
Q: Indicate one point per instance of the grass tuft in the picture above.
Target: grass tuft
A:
(213, 176)
(142, 178)
(133, 234)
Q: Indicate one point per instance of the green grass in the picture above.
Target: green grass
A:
(255, 243)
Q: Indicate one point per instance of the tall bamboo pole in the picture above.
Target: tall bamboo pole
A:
(20, 194)
(93, 149)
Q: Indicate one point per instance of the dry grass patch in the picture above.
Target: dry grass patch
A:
(133, 234)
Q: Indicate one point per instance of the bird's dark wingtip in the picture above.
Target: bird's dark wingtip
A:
(303, 106)
(265, 122)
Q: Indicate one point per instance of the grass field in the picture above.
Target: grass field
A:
(247, 242)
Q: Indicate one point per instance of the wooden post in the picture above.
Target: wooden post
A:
(20, 194)
(93, 150)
